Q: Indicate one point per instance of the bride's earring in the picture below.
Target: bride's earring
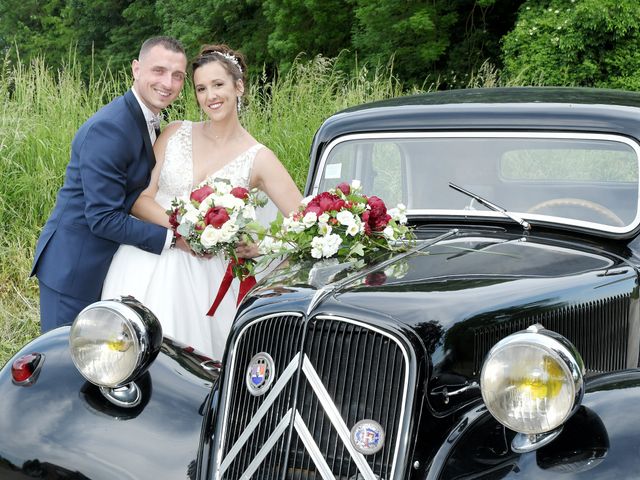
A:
(239, 104)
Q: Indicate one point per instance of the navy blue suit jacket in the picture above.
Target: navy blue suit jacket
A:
(111, 162)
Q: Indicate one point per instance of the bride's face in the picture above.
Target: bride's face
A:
(216, 90)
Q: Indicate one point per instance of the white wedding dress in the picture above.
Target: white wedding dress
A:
(177, 287)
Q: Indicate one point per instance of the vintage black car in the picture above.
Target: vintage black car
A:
(503, 344)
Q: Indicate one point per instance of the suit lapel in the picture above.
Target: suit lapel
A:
(136, 111)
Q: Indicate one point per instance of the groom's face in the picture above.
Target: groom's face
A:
(158, 77)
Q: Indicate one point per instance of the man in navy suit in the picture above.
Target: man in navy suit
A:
(111, 162)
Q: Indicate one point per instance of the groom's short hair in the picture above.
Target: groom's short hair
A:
(169, 43)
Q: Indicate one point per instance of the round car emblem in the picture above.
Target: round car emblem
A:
(260, 374)
(367, 436)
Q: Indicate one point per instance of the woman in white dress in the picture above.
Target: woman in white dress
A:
(177, 286)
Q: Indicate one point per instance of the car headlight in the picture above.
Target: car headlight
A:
(114, 341)
(532, 381)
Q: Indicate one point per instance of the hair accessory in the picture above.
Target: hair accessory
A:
(229, 57)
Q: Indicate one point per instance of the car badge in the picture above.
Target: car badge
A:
(260, 373)
(367, 437)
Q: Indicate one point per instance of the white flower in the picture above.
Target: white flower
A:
(325, 246)
(229, 201)
(324, 228)
(290, 225)
(191, 214)
(398, 213)
(228, 231)
(324, 218)
(210, 236)
(305, 201)
(389, 233)
(269, 245)
(249, 211)
(345, 217)
(355, 184)
(354, 229)
(309, 219)
(222, 187)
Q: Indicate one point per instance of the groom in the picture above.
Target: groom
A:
(111, 162)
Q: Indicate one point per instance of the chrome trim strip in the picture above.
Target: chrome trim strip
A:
(312, 448)
(494, 134)
(405, 385)
(226, 394)
(268, 445)
(262, 411)
(336, 419)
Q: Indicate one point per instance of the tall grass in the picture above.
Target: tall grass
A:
(40, 110)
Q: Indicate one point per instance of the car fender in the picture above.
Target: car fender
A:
(64, 426)
(599, 441)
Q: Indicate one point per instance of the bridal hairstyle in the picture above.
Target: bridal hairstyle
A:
(169, 43)
(233, 62)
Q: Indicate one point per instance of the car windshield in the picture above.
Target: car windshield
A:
(585, 180)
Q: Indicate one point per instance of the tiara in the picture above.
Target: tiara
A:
(227, 56)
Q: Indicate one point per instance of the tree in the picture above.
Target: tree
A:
(564, 42)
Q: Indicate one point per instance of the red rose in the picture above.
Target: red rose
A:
(173, 218)
(240, 192)
(378, 216)
(201, 193)
(375, 278)
(216, 217)
(378, 208)
(344, 188)
(313, 208)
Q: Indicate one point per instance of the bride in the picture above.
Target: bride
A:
(177, 286)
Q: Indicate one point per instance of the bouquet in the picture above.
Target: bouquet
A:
(214, 219)
(340, 223)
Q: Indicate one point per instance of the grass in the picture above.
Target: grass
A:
(40, 110)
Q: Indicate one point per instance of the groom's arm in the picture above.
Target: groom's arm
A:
(109, 156)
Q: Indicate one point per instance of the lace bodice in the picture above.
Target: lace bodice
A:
(176, 176)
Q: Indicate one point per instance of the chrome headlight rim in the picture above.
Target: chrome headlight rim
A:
(147, 337)
(560, 349)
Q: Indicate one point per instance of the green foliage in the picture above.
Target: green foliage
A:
(415, 33)
(568, 42)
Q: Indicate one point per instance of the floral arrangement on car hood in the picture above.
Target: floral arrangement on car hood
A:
(340, 223)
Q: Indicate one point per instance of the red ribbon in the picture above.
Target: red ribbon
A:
(245, 285)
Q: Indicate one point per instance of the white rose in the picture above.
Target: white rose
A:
(324, 218)
(309, 219)
(191, 215)
(345, 217)
(222, 187)
(355, 184)
(210, 237)
(229, 201)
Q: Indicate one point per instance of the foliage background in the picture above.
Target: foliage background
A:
(63, 59)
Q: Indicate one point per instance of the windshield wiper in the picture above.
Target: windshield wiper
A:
(492, 206)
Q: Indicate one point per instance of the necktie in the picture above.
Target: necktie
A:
(155, 123)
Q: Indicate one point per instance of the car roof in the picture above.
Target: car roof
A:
(515, 108)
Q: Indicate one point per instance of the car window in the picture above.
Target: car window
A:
(587, 180)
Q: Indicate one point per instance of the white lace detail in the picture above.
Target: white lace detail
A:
(176, 176)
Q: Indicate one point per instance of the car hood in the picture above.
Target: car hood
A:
(459, 293)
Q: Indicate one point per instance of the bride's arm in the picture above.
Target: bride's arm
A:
(270, 176)
(146, 208)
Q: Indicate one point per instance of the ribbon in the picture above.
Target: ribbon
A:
(245, 285)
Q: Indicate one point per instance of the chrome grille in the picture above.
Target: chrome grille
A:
(600, 331)
(331, 373)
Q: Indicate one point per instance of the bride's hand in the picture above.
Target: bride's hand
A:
(247, 250)
(181, 244)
